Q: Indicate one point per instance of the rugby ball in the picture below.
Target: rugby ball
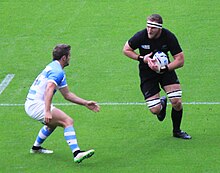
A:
(161, 59)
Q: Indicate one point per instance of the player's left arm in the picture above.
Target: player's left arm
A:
(178, 61)
(48, 96)
(176, 52)
(92, 105)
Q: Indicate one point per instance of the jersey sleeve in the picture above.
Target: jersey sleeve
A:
(174, 45)
(63, 82)
(58, 77)
(134, 42)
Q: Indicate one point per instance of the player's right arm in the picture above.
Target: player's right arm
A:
(129, 52)
(92, 105)
(48, 95)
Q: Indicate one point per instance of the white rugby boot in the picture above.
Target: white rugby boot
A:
(83, 155)
(40, 150)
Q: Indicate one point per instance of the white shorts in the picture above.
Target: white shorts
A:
(35, 109)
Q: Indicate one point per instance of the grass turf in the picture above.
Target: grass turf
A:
(126, 138)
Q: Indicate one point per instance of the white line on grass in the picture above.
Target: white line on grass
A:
(6, 82)
(115, 104)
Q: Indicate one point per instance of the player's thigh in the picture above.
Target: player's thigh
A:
(172, 87)
(150, 88)
(170, 83)
(60, 118)
(169, 79)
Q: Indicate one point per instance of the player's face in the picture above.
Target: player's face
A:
(153, 32)
(67, 62)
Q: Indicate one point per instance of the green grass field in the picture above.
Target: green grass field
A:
(127, 138)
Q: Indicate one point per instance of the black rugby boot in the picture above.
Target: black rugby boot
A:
(181, 134)
(162, 113)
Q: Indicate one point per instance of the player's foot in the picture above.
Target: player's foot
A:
(83, 155)
(162, 113)
(181, 134)
(40, 150)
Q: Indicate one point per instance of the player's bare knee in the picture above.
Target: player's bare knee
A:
(178, 105)
(155, 110)
(68, 121)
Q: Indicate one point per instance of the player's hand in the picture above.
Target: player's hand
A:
(147, 57)
(48, 117)
(153, 65)
(93, 106)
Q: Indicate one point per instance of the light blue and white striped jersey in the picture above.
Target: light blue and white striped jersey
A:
(53, 73)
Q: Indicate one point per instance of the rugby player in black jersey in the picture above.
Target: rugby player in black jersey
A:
(148, 41)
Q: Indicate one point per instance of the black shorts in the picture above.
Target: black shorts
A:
(153, 85)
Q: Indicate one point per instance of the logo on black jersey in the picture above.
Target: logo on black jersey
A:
(145, 46)
(164, 48)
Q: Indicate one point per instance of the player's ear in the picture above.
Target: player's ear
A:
(64, 58)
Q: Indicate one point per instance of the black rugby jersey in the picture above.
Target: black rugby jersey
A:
(167, 42)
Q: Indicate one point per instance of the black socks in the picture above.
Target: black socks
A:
(176, 119)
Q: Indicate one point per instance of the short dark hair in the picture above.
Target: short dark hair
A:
(61, 50)
(155, 18)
